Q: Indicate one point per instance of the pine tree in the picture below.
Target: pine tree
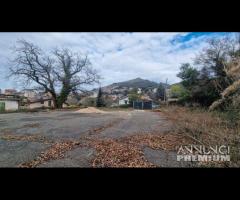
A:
(99, 101)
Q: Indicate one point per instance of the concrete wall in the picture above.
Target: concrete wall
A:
(11, 105)
(39, 105)
(35, 105)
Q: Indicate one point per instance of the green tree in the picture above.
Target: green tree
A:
(206, 85)
(177, 91)
(188, 74)
(133, 95)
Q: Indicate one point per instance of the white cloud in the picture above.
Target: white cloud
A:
(117, 56)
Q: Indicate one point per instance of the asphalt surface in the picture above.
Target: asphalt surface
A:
(57, 126)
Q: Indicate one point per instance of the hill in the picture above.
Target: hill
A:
(135, 83)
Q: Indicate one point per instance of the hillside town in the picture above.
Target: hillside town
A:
(115, 95)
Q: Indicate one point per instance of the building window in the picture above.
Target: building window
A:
(49, 103)
(125, 101)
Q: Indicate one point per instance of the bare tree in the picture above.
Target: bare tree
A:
(59, 73)
(231, 95)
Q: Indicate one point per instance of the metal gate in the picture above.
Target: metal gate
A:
(147, 105)
(142, 105)
(2, 106)
(138, 105)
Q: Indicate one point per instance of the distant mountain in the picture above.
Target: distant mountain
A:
(135, 83)
(123, 87)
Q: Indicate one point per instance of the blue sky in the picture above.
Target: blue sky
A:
(117, 56)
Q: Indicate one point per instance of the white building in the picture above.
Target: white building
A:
(139, 91)
(123, 101)
(155, 90)
(9, 102)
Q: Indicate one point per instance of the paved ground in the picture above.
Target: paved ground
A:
(137, 122)
(50, 127)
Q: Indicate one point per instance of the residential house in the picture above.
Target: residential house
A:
(154, 90)
(139, 91)
(123, 101)
(9, 102)
(40, 103)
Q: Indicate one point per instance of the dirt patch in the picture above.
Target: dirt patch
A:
(90, 110)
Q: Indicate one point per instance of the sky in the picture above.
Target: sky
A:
(117, 56)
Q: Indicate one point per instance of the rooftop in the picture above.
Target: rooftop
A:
(9, 97)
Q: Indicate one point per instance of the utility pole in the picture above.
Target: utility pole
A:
(165, 91)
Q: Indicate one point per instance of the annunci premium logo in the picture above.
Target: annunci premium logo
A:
(202, 153)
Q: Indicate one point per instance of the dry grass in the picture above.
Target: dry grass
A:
(205, 128)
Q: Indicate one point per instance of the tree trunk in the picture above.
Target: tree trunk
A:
(54, 99)
(62, 98)
(55, 105)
